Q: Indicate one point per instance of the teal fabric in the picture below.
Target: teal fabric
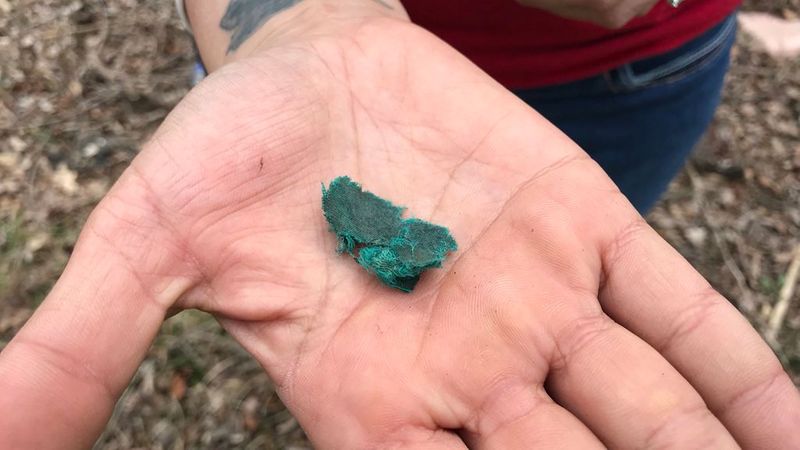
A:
(373, 231)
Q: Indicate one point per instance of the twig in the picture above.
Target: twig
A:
(730, 263)
(784, 298)
(733, 268)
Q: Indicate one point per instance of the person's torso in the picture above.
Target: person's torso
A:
(525, 47)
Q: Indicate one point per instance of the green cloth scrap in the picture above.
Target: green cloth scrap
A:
(373, 231)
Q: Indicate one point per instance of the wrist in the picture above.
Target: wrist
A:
(227, 30)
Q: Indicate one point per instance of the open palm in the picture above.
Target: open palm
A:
(561, 321)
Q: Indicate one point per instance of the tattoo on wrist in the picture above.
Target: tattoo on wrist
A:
(243, 17)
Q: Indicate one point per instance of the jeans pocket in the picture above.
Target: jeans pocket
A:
(682, 62)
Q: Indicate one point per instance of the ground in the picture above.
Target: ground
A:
(84, 82)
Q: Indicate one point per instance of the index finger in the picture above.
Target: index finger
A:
(654, 292)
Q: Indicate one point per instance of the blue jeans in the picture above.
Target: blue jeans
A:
(641, 121)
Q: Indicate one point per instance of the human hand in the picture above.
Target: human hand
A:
(562, 321)
(606, 13)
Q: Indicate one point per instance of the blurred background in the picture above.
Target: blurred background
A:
(84, 82)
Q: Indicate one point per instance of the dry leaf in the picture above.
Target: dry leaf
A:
(250, 413)
(177, 386)
(36, 242)
(65, 179)
(17, 144)
(9, 160)
(696, 236)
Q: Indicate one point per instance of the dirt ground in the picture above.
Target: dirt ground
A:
(84, 82)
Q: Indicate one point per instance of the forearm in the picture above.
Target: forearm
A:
(226, 30)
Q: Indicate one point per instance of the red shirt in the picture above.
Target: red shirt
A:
(527, 47)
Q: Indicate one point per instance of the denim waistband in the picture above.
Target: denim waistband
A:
(639, 73)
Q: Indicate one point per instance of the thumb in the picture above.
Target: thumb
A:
(63, 372)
